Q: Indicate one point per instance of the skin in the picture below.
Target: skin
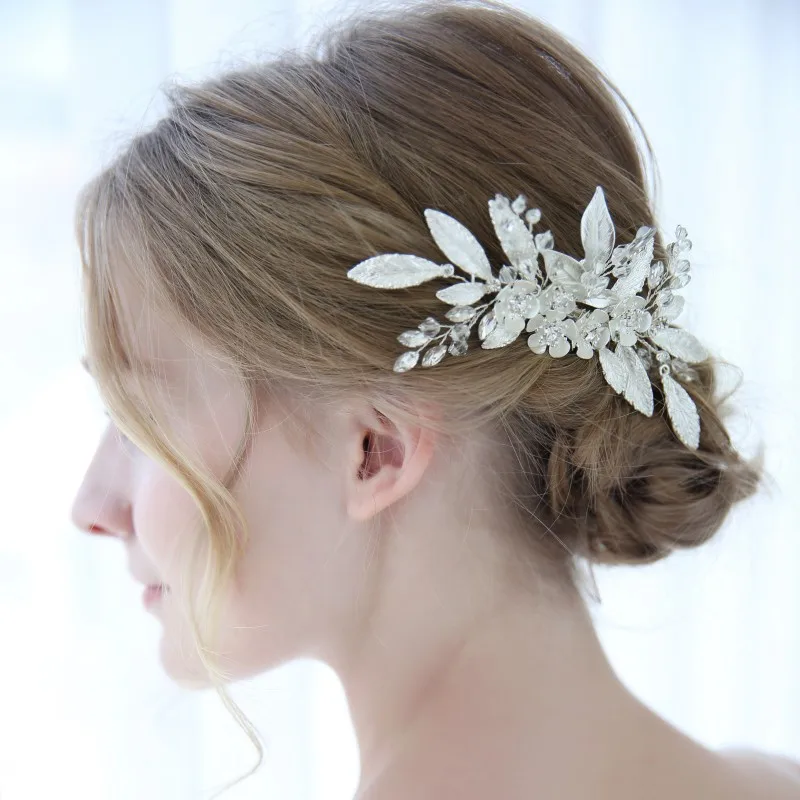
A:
(461, 680)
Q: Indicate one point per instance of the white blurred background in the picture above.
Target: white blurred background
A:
(709, 638)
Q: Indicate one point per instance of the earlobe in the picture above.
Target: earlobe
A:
(392, 461)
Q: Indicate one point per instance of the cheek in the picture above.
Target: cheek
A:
(167, 521)
(297, 563)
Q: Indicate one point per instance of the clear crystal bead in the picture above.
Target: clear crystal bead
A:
(460, 313)
(544, 241)
(448, 270)
(415, 338)
(645, 356)
(533, 215)
(434, 355)
(662, 357)
(656, 273)
(459, 332)
(621, 271)
(659, 324)
(679, 281)
(664, 297)
(458, 348)
(430, 326)
(487, 324)
(507, 274)
(527, 267)
(518, 206)
(682, 266)
(406, 361)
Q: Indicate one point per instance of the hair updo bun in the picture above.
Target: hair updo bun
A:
(613, 485)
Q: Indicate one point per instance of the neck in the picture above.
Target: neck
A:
(519, 670)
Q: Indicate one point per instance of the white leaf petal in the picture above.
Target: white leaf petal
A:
(682, 412)
(597, 229)
(462, 294)
(614, 370)
(458, 244)
(560, 267)
(512, 232)
(503, 333)
(639, 389)
(639, 266)
(395, 271)
(681, 344)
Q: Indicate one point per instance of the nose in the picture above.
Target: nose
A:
(101, 505)
(96, 511)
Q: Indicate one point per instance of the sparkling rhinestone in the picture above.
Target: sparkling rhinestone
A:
(459, 332)
(679, 281)
(644, 355)
(487, 324)
(430, 326)
(518, 206)
(406, 361)
(656, 273)
(662, 357)
(507, 274)
(527, 266)
(434, 355)
(621, 271)
(460, 313)
(413, 338)
(458, 348)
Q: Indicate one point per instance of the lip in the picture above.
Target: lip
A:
(152, 595)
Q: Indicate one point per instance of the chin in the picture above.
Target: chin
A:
(182, 666)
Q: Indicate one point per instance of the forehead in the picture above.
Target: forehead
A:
(147, 329)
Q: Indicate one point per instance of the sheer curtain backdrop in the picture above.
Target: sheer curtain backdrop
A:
(709, 638)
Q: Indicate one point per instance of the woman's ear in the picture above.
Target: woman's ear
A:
(386, 462)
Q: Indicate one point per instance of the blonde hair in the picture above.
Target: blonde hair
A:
(241, 211)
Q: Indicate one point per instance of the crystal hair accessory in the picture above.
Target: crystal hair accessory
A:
(548, 306)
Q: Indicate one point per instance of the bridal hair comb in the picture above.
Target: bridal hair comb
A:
(549, 306)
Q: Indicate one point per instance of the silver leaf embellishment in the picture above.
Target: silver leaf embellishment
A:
(396, 271)
(682, 411)
(462, 294)
(597, 230)
(639, 267)
(556, 292)
(511, 232)
(638, 389)
(615, 372)
(681, 344)
(458, 243)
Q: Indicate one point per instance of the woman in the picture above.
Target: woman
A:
(288, 486)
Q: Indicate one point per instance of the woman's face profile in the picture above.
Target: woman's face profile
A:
(297, 582)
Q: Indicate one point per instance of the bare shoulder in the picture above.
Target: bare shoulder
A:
(763, 775)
